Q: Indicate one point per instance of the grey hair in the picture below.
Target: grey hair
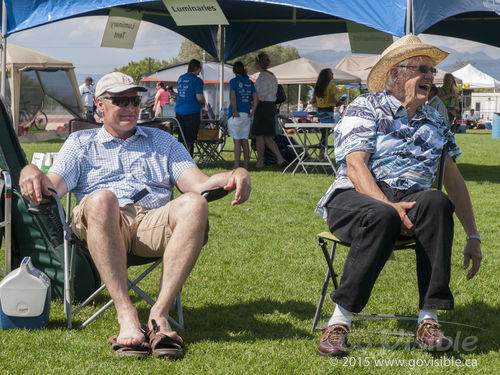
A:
(389, 82)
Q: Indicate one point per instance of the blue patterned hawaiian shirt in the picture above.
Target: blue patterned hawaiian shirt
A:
(404, 153)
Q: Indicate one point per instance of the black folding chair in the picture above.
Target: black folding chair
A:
(210, 142)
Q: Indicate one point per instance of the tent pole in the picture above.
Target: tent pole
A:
(221, 68)
(409, 14)
(3, 77)
(298, 99)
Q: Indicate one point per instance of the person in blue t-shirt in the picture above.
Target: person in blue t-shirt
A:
(243, 99)
(190, 101)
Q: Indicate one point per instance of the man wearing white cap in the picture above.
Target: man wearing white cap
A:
(387, 147)
(105, 168)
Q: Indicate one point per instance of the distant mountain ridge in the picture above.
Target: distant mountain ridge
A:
(483, 62)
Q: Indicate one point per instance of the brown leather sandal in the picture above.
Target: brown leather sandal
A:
(163, 345)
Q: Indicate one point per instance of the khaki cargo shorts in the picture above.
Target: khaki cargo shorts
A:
(145, 232)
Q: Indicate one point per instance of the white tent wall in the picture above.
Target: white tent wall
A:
(485, 104)
(476, 78)
(20, 60)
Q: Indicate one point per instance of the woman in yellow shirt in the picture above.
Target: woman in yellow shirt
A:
(324, 96)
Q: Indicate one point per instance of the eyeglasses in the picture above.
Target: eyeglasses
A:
(421, 68)
(124, 101)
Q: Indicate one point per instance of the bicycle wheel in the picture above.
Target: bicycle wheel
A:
(41, 120)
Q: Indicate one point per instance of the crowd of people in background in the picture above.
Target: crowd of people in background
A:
(252, 106)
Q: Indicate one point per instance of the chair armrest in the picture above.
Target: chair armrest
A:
(214, 194)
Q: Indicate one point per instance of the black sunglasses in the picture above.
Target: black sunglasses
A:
(421, 68)
(124, 101)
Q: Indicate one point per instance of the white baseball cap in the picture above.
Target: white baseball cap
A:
(116, 83)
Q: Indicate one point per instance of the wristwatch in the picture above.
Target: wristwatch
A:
(473, 236)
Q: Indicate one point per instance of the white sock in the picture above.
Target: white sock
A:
(341, 316)
(427, 314)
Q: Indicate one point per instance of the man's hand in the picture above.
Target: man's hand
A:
(239, 179)
(34, 183)
(472, 251)
(406, 224)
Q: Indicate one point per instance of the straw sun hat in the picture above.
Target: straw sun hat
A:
(402, 49)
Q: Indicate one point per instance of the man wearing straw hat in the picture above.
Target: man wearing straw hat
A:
(388, 147)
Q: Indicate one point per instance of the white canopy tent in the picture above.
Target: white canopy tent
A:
(360, 66)
(32, 75)
(476, 78)
(304, 71)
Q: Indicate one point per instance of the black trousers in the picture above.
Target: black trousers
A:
(190, 124)
(372, 227)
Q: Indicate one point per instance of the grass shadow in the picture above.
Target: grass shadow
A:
(480, 173)
(469, 334)
(249, 321)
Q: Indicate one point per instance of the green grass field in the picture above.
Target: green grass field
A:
(250, 300)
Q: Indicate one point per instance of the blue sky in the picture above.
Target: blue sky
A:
(78, 41)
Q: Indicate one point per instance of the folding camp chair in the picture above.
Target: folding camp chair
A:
(71, 241)
(39, 237)
(325, 237)
(170, 124)
(210, 142)
(6, 223)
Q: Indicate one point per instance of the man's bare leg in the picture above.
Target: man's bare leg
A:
(107, 248)
(188, 218)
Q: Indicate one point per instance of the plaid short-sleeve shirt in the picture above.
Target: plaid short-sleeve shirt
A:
(404, 153)
(92, 160)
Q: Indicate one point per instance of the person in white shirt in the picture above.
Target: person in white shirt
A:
(471, 119)
(87, 92)
(263, 123)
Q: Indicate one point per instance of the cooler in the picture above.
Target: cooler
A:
(25, 298)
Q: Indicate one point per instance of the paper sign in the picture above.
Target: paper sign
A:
(196, 12)
(364, 39)
(121, 29)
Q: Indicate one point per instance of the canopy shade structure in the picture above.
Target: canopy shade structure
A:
(32, 75)
(476, 78)
(209, 73)
(360, 66)
(476, 20)
(305, 71)
(253, 24)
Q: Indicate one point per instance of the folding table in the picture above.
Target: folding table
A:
(309, 137)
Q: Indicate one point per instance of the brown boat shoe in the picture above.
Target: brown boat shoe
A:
(429, 337)
(334, 341)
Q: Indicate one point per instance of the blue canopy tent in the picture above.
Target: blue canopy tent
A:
(255, 24)
(476, 20)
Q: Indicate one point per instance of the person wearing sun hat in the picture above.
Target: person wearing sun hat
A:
(123, 177)
(387, 147)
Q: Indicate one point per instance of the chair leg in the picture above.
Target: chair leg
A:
(321, 300)
(330, 273)
(131, 285)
